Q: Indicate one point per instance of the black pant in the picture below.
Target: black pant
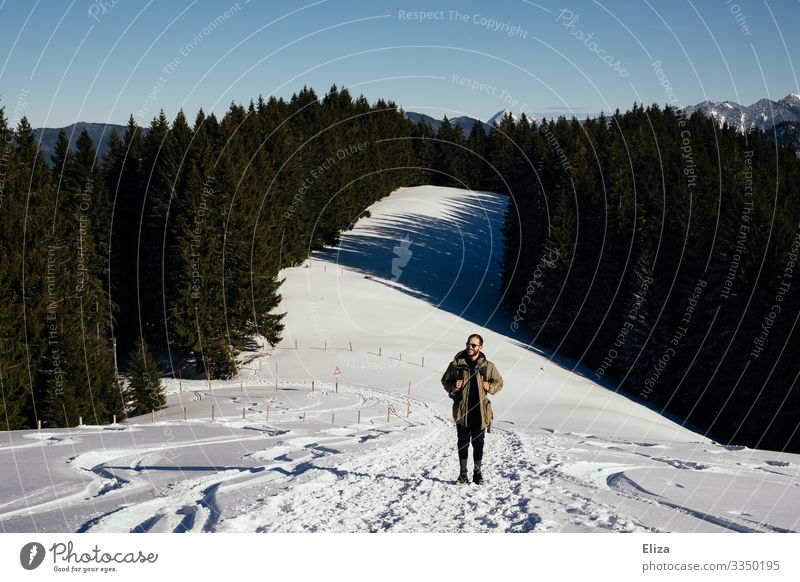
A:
(475, 434)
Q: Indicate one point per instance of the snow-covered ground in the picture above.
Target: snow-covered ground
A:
(290, 450)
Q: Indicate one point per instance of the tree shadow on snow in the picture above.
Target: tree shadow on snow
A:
(452, 261)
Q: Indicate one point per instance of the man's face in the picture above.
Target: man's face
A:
(473, 347)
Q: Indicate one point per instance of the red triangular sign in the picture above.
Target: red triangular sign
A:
(337, 371)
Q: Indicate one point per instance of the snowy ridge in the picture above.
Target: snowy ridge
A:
(373, 449)
(763, 114)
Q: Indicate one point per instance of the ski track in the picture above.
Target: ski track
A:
(398, 478)
(409, 486)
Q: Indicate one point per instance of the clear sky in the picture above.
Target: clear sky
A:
(81, 60)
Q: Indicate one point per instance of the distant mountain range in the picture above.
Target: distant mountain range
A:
(465, 122)
(99, 132)
(778, 118)
(764, 114)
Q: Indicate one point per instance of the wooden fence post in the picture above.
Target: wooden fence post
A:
(212, 412)
(388, 410)
(267, 412)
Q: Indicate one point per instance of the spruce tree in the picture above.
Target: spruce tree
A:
(145, 391)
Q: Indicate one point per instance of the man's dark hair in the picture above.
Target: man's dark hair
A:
(480, 339)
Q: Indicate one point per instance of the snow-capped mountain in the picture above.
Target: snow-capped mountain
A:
(763, 114)
(498, 117)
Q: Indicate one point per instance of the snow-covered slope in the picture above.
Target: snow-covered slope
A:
(293, 447)
(432, 255)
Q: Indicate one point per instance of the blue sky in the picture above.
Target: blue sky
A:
(101, 61)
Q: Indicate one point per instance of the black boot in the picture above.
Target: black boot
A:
(462, 476)
(477, 475)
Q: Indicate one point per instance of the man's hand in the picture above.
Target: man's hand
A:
(459, 384)
(486, 386)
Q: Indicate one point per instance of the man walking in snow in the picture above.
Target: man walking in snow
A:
(469, 378)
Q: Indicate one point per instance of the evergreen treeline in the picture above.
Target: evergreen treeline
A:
(171, 244)
(657, 249)
(56, 360)
(662, 251)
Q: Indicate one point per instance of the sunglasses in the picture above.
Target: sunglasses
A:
(473, 345)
